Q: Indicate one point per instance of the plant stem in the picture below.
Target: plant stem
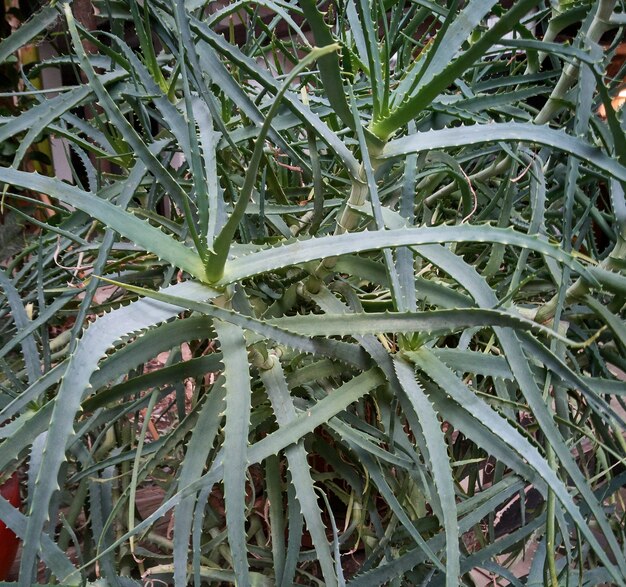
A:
(349, 218)
(598, 27)
(581, 288)
(72, 515)
(551, 527)
(495, 168)
(568, 77)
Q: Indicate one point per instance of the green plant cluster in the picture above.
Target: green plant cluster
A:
(381, 246)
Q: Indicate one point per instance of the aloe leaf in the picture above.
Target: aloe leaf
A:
(346, 352)
(131, 136)
(186, 53)
(132, 486)
(302, 112)
(273, 258)
(374, 199)
(485, 296)
(45, 226)
(41, 115)
(410, 559)
(448, 42)
(140, 232)
(100, 498)
(404, 256)
(75, 385)
(184, 46)
(372, 50)
(457, 172)
(272, 444)
(135, 178)
(217, 260)
(330, 71)
(32, 361)
(439, 465)
(611, 281)
(308, 373)
(422, 98)
(447, 381)
(172, 374)
(474, 362)
(429, 291)
(618, 201)
(358, 36)
(611, 320)
(537, 189)
(478, 108)
(98, 144)
(487, 365)
(208, 140)
(34, 391)
(328, 302)
(282, 404)
(238, 392)
(277, 517)
(171, 115)
(213, 67)
(518, 131)
(432, 321)
(39, 22)
(316, 415)
(280, 8)
(200, 444)
(370, 445)
(22, 432)
(142, 26)
(53, 556)
(484, 557)
(373, 470)
(157, 339)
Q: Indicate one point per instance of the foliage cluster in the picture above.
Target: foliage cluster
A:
(382, 247)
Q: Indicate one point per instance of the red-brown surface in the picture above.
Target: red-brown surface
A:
(8, 541)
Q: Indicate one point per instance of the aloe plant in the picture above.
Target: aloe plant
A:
(384, 286)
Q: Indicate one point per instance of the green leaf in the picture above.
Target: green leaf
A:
(447, 43)
(298, 252)
(423, 97)
(52, 555)
(458, 391)
(198, 449)
(216, 261)
(366, 30)
(475, 508)
(520, 369)
(330, 71)
(22, 323)
(130, 135)
(282, 404)
(129, 226)
(346, 352)
(39, 22)
(304, 113)
(509, 131)
(439, 464)
(276, 441)
(75, 385)
(238, 399)
(432, 322)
